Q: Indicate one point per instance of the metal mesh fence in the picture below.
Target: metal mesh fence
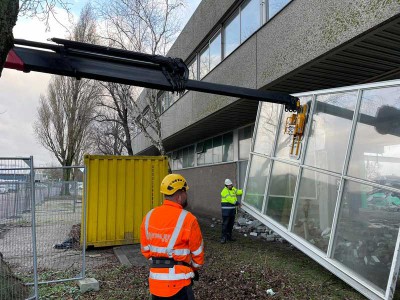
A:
(39, 229)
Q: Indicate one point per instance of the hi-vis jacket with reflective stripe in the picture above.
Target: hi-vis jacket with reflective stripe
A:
(170, 231)
(229, 200)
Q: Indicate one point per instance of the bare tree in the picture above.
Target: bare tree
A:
(44, 10)
(148, 26)
(65, 113)
(108, 135)
(114, 114)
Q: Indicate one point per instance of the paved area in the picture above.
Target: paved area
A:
(130, 255)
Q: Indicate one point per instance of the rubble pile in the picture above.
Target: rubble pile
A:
(246, 225)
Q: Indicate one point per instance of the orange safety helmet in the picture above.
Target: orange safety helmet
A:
(172, 183)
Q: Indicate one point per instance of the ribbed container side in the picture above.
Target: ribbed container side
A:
(120, 191)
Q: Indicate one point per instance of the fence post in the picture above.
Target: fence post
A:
(84, 204)
(33, 208)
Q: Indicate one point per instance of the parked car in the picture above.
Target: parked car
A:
(3, 190)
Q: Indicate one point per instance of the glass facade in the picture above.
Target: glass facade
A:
(267, 127)
(329, 132)
(274, 6)
(245, 135)
(280, 196)
(250, 19)
(214, 150)
(365, 236)
(257, 178)
(215, 51)
(232, 35)
(340, 198)
(315, 207)
(376, 149)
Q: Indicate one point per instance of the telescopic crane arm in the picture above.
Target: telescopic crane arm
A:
(82, 60)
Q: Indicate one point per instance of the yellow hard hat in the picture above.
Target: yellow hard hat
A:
(172, 183)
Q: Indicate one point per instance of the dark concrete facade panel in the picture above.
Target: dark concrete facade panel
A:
(207, 184)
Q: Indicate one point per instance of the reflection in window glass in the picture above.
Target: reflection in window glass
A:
(256, 181)
(232, 35)
(208, 149)
(275, 6)
(215, 51)
(173, 97)
(250, 18)
(164, 101)
(267, 126)
(245, 142)
(376, 151)
(365, 239)
(315, 207)
(242, 172)
(179, 160)
(217, 149)
(227, 147)
(189, 159)
(281, 191)
(331, 125)
(204, 62)
(193, 70)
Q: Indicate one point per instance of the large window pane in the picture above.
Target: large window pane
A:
(227, 147)
(256, 181)
(245, 142)
(164, 101)
(217, 149)
(215, 51)
(208, 149)
(178, 162)
(190, 156)
(281, 191)
(275, 6)
(204, 62)
(376, 150)
(242, 172)
(232, 35)
(250, 18)
(315, 207)
(330, 131)
(193, 70)
(267, 127)
(200, 153)
(366, 233)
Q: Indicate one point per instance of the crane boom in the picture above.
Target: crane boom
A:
(83, 60)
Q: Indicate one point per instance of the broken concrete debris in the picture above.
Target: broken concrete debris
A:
(248, 226)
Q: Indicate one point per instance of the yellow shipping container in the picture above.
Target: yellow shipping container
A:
(120, 191)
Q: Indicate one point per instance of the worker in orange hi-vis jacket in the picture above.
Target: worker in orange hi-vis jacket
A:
(171, 238)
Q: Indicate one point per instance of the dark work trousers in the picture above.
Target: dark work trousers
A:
(227, 226)
(186, 293)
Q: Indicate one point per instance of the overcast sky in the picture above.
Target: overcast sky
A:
(20, 92)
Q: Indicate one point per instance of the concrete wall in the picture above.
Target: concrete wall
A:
(303, 31)
(205, 186)
(306, 29)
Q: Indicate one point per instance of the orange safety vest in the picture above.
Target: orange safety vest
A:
(168, 231)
